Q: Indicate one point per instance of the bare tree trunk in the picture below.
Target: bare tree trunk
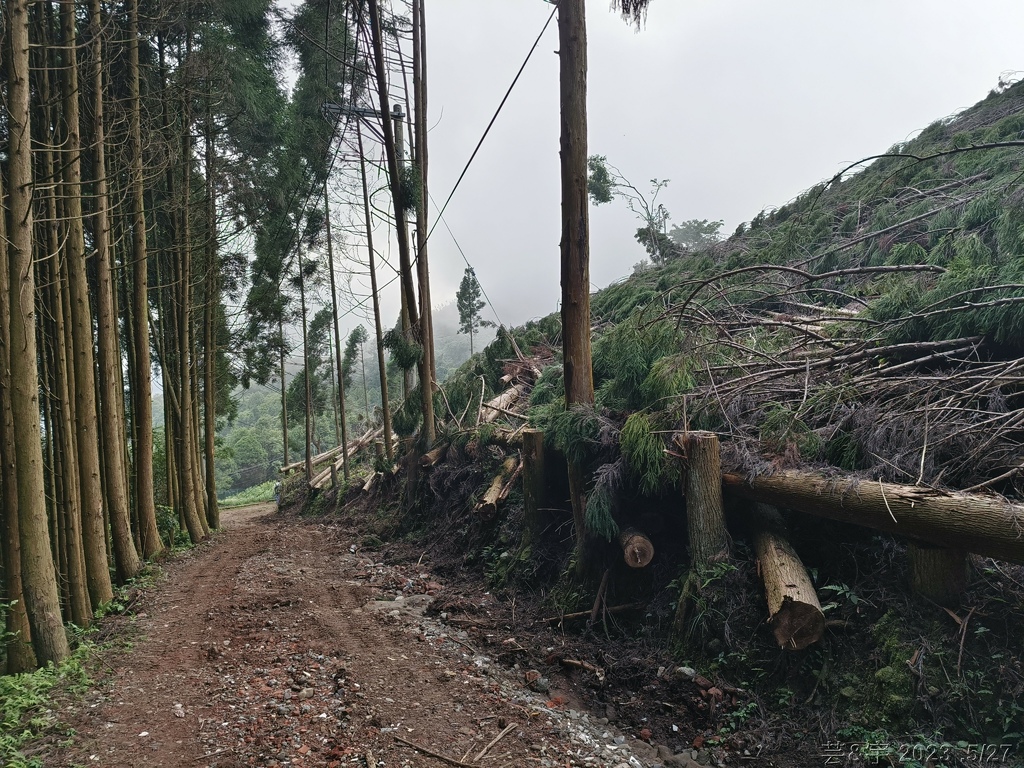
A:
(534, 486)
(67, 498)
(94, 537)
(209, 335)
(575, 247)
(20, 656)
(307, 374)
(142, 386)
(428, 374)
(381, 365)
(705, 516)
(125, 557)
(938, 573)
(284, 398)
(188, 492)
(337, 333)
(394, 174)
(39, 584)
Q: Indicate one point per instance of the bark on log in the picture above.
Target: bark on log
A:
(637, 549)
(320, 480)
(498, 489)
(327, 455)
(490, 410)
(938, 573)
(709, 540)
(794, 611)
(985, 525)
(433, 456)
(508, 438)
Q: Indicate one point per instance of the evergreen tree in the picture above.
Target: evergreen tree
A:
(469, 301)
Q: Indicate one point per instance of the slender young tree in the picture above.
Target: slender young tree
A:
(378, 327)
(337, 336)
(142, 388)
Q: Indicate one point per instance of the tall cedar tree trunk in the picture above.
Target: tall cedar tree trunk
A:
(306, 374)
(394, 174)
(126, 558)
(209, 334)
(94, 535)
(575, 247)
(39, 584)
(337, 335)
(284, 399)
(66, 493)
(419, 81)
(381, 364)
(185, 454)
(20, 656)
(142, 386)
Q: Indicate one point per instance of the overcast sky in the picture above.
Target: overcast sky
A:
(743, 104)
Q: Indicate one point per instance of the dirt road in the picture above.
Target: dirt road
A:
(282, 643)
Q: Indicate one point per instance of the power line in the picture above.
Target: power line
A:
(493, 119)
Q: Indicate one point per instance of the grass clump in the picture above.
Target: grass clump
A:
(25, 702)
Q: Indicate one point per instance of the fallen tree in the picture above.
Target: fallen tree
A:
(499, 487)
(493, 408)
(320, 481)
(794, 611)
(985, 525)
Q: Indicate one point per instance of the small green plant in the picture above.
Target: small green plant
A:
(25, 701)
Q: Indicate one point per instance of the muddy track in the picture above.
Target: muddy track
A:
(269, 647)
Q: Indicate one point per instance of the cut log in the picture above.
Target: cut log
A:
(433, 456)
(320, 459)
(938, 573)
(499, 488)
(794, 611)
(508, 438)
(637, 549)
(986, 525)
(709, 540)
(490, 410)
(354, 446)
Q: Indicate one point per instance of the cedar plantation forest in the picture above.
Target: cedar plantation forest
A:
(789, 457)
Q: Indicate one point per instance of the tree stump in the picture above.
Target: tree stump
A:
(938, 573)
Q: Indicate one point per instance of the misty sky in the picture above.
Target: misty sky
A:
(743, 104)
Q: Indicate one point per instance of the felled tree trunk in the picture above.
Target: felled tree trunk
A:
(492, 409)
(637, 549)
(794, 611)
(985, 525)
(498, 489)
(938, 573)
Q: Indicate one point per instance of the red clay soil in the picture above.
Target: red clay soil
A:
(269, 647)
